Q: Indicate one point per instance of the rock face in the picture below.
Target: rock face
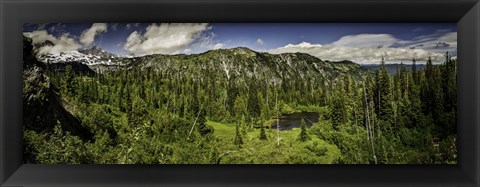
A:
(243, 62)
(85, 61)
(76, 56)
(97, 51)
(240, 61)
(42, 105)
(29, 58)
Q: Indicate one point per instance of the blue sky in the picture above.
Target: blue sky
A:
(359, 42)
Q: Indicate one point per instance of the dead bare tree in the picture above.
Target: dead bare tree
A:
(369, 126)
(278, 127)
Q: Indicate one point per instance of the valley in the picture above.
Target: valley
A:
(221, 107)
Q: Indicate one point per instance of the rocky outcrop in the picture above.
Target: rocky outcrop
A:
(42, 105)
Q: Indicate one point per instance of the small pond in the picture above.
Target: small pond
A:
(293, 120)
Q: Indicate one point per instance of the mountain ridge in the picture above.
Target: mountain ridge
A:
(232, 62)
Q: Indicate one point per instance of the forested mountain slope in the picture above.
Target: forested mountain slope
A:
(218, 107)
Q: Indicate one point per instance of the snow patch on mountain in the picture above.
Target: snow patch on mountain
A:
(91, 57)
(75, 56)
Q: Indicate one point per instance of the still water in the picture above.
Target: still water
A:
(289, 121)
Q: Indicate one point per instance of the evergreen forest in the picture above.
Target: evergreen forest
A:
(222, 106)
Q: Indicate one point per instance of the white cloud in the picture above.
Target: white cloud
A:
(114, 26)
(133, 42)
(370, 48)
(40, 36)
(450, 37)
(302, 45)
(367, 40)
(206, 42)
(63, 43)
(119, 44)
(166, 38)
(218, 46)
(361, 55)
(187, 51)
(131, 25)
(41, 26)
(439, 44)
(88, 36)
(259, 41)
(59, 27)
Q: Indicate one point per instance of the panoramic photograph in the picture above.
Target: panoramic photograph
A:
(239, 93)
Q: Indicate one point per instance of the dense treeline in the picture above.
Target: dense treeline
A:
(409, 117)
(145, 115)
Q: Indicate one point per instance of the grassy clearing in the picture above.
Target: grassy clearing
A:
(256, 151)
(288, 109)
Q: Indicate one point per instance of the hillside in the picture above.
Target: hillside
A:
(43, 107)
(219, 107)
(236, 62)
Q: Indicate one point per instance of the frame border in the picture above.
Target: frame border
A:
(14, 13)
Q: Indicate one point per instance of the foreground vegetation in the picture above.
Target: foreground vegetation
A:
(145, 115)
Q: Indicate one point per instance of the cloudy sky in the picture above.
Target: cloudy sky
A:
(360, 42)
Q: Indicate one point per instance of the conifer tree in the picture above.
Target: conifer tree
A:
(238, 136)
(414, 70)
(70, 81)
(338, 111)
(263, 134)
(253, 105)
(303, 136)
(202, 126)
(384, 94)
(244, 125)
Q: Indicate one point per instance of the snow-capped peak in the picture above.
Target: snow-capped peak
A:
(97, 51)
(92, 56)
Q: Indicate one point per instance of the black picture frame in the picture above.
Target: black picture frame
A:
(466, 13)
